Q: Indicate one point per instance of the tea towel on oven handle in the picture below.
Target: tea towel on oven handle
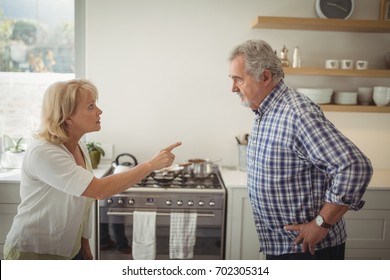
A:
(182, 235)
(144, 235)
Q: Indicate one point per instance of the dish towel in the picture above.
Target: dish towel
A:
(182, 235)
(144, 235)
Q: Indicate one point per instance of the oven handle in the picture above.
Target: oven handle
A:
(112, 213)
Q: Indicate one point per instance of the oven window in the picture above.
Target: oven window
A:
(117, 232)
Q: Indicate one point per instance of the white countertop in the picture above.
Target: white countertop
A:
(232, 177)
(13, 175)
(235, 178)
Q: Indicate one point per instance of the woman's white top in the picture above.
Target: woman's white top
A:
(51, 212)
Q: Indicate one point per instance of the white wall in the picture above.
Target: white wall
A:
(162, 71)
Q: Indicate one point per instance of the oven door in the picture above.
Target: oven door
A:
(117, 223)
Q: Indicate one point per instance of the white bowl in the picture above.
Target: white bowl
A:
(317, 95)
(345, 98)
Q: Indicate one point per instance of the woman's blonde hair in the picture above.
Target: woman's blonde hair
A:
(59, 102)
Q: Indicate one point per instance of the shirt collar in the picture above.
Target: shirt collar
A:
(271, 99)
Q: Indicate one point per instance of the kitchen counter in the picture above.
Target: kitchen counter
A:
(235, 178)
(13, 175)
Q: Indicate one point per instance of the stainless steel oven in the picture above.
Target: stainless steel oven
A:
(185, 193)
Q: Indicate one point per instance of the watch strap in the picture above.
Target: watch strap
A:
(323, 224)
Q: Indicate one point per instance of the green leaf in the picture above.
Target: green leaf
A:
(92, 146)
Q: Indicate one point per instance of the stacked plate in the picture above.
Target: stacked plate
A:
(345, 98)
(318, 95)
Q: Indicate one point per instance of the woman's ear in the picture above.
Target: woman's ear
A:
(68, 121)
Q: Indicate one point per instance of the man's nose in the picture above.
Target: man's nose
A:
(234, 87)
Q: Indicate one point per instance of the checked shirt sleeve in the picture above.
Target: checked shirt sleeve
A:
(349, 170)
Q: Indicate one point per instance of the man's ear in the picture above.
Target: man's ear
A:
(267, 77)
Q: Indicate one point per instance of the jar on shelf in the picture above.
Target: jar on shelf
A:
(284, 57)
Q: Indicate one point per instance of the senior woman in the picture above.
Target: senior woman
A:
(57, 186)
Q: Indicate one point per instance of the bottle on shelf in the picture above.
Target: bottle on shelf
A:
(296, 58)
(284, 57)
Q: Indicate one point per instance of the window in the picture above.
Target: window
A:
(37, 48)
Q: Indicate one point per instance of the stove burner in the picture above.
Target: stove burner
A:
(184, 180)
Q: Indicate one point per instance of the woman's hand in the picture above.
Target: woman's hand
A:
(165, 157)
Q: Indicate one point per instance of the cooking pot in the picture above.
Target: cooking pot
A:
(124, 165)
(167, 174)
(202, 168)
(187, 167)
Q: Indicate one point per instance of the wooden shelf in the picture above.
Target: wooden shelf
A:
(370, 73)
(341, 25)
(356, 108)
(374, 26)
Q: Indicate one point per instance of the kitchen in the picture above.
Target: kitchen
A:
(171, 73)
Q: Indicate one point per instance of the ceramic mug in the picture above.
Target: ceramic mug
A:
(364, 95)
(346, 64)
(381, 96)
(361, 65)
(331, 64)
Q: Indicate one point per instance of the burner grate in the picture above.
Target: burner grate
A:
(185, 181)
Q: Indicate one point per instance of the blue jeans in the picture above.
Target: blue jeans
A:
(330, 253)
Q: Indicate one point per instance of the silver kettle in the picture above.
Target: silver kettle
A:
(124, 165)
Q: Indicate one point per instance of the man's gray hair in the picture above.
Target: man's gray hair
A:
(258, 56)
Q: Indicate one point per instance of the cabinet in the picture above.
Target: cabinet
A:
(374, 26)
(369, 228)
(9, 201)
(241, 236)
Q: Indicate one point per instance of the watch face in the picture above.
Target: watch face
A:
(334, 8)
(319, 220)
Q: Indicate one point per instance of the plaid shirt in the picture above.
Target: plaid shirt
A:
(297, 160)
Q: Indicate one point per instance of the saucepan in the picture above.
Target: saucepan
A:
(166, 175)
(187, 167)
(202, 168)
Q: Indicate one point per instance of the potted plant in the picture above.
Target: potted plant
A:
(95, 153)
(13, 151)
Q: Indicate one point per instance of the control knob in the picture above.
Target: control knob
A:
(212, 203)
(120, 201)
(190, 203)
(109, 201)
(168, 202)
(179, 202)
(131, 201)
(201, 203)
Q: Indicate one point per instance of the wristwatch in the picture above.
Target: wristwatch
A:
(321, 222)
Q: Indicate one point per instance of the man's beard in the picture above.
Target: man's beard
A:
(244, 102)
